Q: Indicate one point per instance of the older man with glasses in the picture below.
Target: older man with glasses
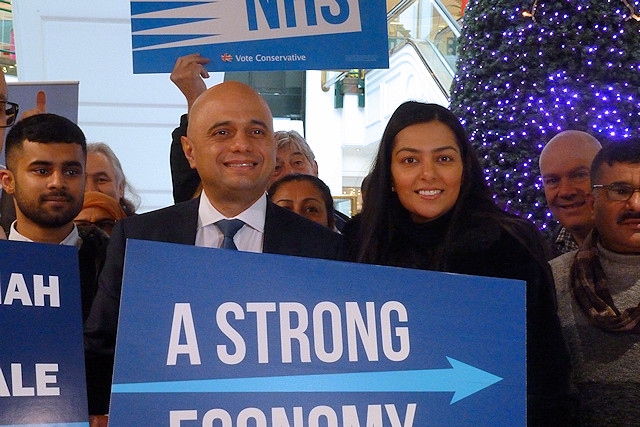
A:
(8, 115)
(598, 289)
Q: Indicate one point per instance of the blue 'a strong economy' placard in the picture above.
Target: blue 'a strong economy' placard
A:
(211, 337)
(42, 377)
(252, 35)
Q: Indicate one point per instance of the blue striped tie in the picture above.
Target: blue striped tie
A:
(229, 227)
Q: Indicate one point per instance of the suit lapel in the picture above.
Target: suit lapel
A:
(178, 224)
(274, 225)
(189, 221)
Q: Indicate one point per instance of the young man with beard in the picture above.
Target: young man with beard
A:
(45, 174)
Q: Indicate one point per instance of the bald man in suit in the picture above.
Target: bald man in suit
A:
(230, 142)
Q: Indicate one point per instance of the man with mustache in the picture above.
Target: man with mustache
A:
(564, 166)
(45, 174)
(598, 289)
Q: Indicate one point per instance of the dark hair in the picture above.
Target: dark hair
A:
(615, 152)
(316, 182)
(382, 211)
(45, 129)
(364, 186)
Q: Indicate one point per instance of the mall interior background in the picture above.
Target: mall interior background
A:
(342, 113)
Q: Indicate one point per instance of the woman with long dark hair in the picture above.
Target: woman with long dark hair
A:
(428, 206)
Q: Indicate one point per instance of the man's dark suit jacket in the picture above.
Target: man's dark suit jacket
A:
(285, 233)
(7, 211)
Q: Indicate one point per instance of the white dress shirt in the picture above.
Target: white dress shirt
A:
(249, 238)
(73, 239)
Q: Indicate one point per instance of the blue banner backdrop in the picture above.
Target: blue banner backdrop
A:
(42, 377)
(209, 334)
(259, 35)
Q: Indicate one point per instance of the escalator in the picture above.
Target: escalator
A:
(423, 40)
(430, 30)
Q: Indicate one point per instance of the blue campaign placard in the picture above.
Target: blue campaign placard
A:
(209, 335)
(42, 376)
(260, 35)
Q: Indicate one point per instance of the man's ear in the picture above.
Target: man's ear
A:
(187, 148)
(315, 167)
(8, 181)
(121, 189)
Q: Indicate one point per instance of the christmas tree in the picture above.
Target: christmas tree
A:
(528, 69)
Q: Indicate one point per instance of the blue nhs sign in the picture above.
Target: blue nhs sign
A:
(254, 35)
(333, 12)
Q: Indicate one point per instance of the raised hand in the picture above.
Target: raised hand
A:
(188, 74)
(41, 106)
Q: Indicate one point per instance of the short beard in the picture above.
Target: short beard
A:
(46, 218)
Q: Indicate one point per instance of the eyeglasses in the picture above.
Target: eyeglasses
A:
(104, 224)
(8, 113)
(618, 192)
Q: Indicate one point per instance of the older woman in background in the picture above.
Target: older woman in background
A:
(100, 210)
(306, 195)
